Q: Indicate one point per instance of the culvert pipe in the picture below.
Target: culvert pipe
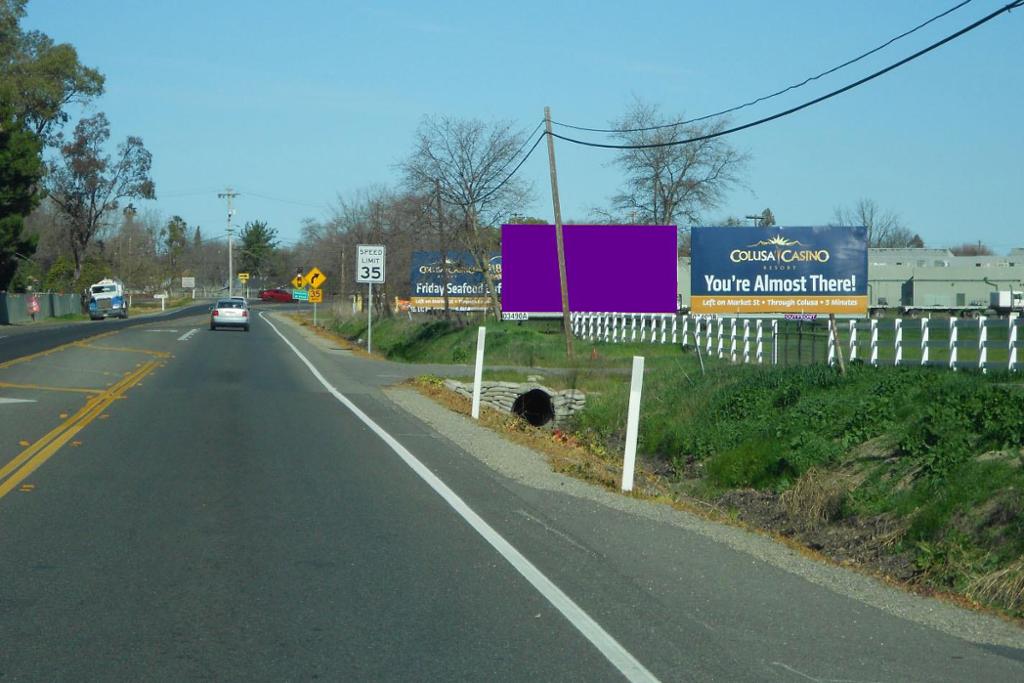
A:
(535, 407)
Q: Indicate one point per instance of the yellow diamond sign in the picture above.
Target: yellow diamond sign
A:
(298, 282)
(315, 278)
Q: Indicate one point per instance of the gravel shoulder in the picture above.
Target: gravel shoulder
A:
(527, 467)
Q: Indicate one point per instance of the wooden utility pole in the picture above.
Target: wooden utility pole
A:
(566, 322)
(444, 248)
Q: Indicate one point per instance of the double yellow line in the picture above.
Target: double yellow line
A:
(30, 459)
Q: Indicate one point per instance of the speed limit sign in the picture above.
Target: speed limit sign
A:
(370, 264)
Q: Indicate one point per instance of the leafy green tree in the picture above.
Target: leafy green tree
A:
(175, 243)
(39, 79)
(258, 243)
(21, 168)
(85, 183)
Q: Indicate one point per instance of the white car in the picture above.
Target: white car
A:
(229, 313)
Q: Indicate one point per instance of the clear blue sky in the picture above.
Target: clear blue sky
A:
(304, 100)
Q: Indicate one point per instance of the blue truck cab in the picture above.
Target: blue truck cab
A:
(106, 298)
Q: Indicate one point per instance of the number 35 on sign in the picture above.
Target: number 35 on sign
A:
(370, 264)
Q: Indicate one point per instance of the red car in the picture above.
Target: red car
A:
(276, 295)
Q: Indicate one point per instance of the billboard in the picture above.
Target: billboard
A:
(609, 268)
(779, 270)
(467, 289)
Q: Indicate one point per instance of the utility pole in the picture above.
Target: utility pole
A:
(444, 248)
(566, 323)
(229, 194)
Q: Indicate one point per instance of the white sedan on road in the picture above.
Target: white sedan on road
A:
(229, 313)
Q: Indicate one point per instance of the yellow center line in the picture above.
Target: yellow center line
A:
(29, 460)
(158, 354)
(73, 390)
(62, 347)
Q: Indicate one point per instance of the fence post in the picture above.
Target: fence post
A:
(664, 326)
(760, 342)
(675, 324)
(982, 342)
(953, 343)
(721, 338)
(924, 340)
(633, 325)
(711, 323)
(898, 342)
(874, 342)
(775, 342)
(746, 341)
(732, 340)
(1012, 343)
(831, 346)
(853, 340)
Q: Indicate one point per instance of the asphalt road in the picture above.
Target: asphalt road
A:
(181, 504)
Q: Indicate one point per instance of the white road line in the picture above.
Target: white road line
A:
(16, 400)
(188, 334)
(613, 651)
(160, 331)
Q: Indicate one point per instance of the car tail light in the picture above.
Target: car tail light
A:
(245, 314)
(215, 313)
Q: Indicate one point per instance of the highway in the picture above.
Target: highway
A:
(181, 504)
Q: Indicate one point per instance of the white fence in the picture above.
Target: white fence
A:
(980, 343)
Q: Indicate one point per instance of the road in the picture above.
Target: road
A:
(182, 504)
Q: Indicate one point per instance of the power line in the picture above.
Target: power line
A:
(774, 94)
(287, 201)
(1005, 9)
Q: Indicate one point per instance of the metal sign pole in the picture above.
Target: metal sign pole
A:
(314, 314)
(369, 318)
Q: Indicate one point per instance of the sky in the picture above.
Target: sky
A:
(295, 104)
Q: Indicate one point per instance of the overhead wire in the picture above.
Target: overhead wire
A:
(774, 94)
(699, 138)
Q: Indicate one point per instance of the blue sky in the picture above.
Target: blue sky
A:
(294, 103)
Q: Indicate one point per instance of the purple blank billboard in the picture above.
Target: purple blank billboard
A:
(608, 268)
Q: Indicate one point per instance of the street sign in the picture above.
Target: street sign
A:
(300, 295)
(243, 277)
(298, 282)
(315, 278)
(370, 264)
(188, 282)
(316, 296)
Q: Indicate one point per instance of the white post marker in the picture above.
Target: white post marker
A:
(636, 386)
(478, 373)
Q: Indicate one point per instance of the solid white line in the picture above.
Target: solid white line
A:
(16, 400)
(188, 334)
(620, 658)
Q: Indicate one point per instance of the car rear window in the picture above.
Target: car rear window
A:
(229, 304)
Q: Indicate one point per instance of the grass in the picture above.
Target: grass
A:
(912, 467)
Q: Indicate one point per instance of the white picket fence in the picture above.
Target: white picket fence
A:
(757, 340)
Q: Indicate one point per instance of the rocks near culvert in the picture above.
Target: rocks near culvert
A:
(526, 399)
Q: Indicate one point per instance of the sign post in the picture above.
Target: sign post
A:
(370, 259)
(315, 279)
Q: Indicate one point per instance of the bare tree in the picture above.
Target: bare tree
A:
(885, 229)
(672, 184)
(467, 162)
(85, 184)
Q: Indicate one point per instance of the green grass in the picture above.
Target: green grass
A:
(939, 453)
(534, 343)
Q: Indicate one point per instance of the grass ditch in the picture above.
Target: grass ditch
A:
(915, 474)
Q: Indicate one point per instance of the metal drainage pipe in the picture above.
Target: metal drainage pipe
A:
(535, 407)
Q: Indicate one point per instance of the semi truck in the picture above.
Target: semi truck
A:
(106, 299)
(1007, 301)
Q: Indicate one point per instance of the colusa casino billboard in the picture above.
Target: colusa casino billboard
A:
(779, 270)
